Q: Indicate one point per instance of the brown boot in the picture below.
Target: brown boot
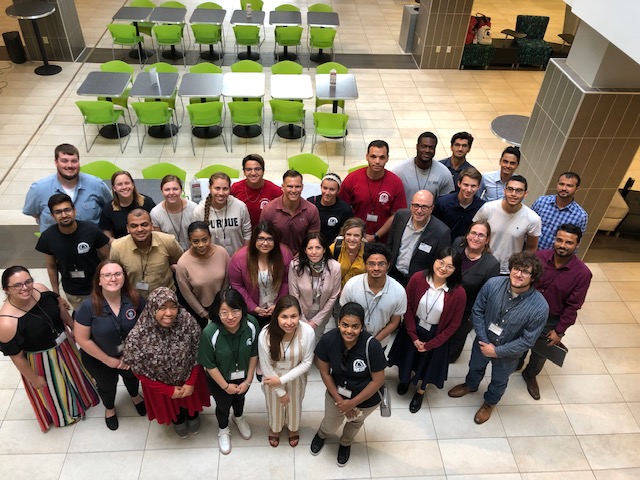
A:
(532, 386)
(483, 414)
(460, 390)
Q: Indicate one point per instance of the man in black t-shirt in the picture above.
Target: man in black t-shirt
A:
(333, 210)
(73, 249)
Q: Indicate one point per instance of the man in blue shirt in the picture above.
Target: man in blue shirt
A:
(457, 209)
(460, 146)
(558, 209)
(89, 194)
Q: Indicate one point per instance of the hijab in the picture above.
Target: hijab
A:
(163, 354)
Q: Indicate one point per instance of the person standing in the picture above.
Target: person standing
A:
(229, 353)
(285, 349)
(422, 173)
(35, 332)
(508, 317)
(227, 217)
(461, 143)
(292, 215)
(348, 249)
(88, 192)
(564, 284)
(173, 215)
(558, 209)
(493, 183)
(72, 249)
(457, 209)
(374, 193)
(333, 210)
(254, 190)
(102, 323)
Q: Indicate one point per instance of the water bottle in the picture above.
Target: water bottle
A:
(332, 77)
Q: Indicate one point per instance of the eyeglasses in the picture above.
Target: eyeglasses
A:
(110, 275)
(376, 264)
(519, 191)
(233, 313)
(20, 286)
(441, 264)
(60, 211)
(524, 273)
(265, 240)
(417, 206)
(478, 235)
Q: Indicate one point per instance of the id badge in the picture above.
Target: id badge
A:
(237, 375)
(77, 274)
(495, 329)
(141, 285)
(282, 365)
(344, 392)
(425, 247)
(61, 338)
(372, 217)
(226, 242)
(426, 326)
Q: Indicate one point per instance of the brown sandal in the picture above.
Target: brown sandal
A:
(274, 440)
(294, 440)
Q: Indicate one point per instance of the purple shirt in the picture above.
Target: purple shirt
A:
(564, 288)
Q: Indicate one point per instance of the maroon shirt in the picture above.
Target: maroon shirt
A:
(292, 228)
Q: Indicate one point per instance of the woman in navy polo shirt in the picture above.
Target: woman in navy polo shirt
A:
(102, 322)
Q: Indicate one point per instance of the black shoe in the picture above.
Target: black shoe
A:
(416, 402)
(316, 445)
(112, 422)
(343, 455)
(140, 408)
(402, 388)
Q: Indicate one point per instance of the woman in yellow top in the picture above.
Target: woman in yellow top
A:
(348, 249)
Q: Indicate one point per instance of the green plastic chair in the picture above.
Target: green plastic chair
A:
(174, 4)
(162, 169)
(169, 36)
(208, 34)
(144, 27)
(286, 67)
(247, 36)
(331, 125)
(203, 115)
(255, 4)
(125, 36)
(322, 38)
(358, 167)
(154, 114)
(246, 114)
(320, 7)
(246, 66)
(102, 169)
(123, 100)
(287, 37)
(326, 68)
(210, 6)
(99, 113)
(308, 163)
(286, 7)
(288, 112)
(211, 169)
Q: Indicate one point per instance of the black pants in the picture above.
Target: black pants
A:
(107, 379)
(224, 402)
(183, 415)
(399, 276)
(458, 339)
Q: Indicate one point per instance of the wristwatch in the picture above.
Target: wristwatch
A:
(376, 237)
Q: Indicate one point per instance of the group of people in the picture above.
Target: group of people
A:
(196, 301)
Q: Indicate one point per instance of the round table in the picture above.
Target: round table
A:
(33, 11)
(510, 128)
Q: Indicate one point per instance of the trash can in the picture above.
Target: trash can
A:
(13, 42)
(408, 27)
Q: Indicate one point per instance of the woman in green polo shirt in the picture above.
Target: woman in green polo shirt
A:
(229, 353)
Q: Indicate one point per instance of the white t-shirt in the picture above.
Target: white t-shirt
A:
(436, 179)
(174, 223)
(230, 226)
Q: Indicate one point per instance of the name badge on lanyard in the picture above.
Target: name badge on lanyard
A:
(237, 375)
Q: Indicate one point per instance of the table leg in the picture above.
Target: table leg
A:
(173, 54)
(286, 55)
(210, 55)
(290, 132)
(206, 132)
(247, 131)
(249, 55)
(47, 68)
(320, 57)
(163, 131)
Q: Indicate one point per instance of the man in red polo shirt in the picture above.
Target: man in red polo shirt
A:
(291, 214)
(254, 190)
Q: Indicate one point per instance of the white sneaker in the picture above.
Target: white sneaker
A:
(243, 427)
(224, 440)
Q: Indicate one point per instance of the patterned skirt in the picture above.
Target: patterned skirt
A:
(69, 391)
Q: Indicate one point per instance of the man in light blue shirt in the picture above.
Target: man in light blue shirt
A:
(89, 193)
(493, 183)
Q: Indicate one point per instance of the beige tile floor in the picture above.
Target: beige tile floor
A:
(587, 424)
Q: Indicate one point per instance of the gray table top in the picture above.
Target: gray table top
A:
(143, 88)
(132, 14)
(168, 15)
(207, 15)
(239, 17)
(510, 128)
(243, 84)
(285, 18)
(201, 85)
(323, 19)
(291, 87)
(104, 84)
(345, 88)
(30, 10)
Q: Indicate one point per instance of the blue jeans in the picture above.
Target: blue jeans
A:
(501, 368)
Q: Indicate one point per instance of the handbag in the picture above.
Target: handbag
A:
(383, 392)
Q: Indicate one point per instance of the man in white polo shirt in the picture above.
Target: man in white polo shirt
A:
(383, 298)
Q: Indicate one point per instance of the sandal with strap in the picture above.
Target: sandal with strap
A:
(274, 440)
(294, 440)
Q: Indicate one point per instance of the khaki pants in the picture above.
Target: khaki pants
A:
(333, 418)
(75, 300)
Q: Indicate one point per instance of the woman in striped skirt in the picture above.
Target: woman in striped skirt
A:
(285, 350)
(34, 331)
